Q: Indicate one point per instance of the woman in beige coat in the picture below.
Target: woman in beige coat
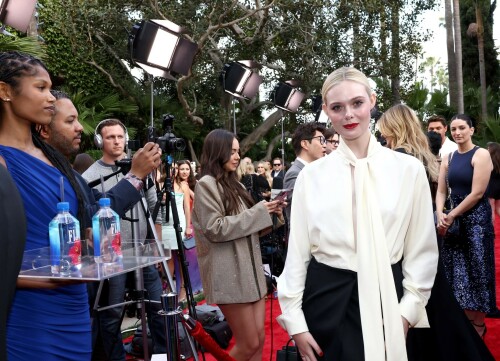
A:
(227, 225)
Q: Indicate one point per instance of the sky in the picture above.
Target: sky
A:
(436, 47)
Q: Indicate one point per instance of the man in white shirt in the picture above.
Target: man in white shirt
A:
(437, 123)
(309, 144)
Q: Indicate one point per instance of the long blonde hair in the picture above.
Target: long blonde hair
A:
(402, 125)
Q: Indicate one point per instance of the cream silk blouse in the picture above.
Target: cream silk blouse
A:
(364, 215)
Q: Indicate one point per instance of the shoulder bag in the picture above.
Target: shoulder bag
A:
(454, 229)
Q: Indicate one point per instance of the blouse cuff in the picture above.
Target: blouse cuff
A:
(414, 311)
(136, 182)
(293, 322)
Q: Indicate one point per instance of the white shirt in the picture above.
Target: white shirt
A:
(447, 147)
(323, 227)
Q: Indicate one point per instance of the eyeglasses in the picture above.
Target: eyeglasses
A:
(276, 164)
(332, 141)
(322, 139)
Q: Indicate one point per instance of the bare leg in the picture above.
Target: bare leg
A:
(477, 320)
(247, 323)
(493, 209)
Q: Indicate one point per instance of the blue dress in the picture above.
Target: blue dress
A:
(468, 259)
(45, 324)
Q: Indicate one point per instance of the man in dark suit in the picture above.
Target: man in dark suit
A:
(278, 170)
(309, 144)
(13, 226)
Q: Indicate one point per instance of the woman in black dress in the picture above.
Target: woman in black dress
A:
(451, 336)
(468, 258)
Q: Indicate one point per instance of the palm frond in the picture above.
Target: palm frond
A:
(26, 45)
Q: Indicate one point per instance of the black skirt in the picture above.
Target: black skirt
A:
(331, 308)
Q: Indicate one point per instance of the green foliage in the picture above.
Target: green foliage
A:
(470, 57)
(426, 103)
(490, 131)
(472, 101)
(27, 45)
(93, 109)
(302, 40)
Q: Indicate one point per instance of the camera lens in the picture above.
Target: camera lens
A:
(177, 144)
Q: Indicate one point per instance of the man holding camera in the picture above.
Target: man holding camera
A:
(111, 136)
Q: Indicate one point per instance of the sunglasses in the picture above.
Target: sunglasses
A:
(276, 164)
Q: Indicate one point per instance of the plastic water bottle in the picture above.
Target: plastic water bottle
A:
(65, 244)
(106, 234)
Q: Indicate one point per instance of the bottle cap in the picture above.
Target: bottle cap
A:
(104, 202)
(62, 206)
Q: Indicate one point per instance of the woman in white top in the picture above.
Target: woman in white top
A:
(182, 202)
(362, 252)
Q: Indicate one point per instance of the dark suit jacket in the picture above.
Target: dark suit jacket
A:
(13, 227)
(281, 174)
(289, 183)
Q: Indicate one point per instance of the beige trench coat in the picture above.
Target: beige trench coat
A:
(228, 247)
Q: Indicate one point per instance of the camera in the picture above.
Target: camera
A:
(169, 142)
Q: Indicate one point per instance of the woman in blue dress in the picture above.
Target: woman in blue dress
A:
(468, 258)
(49, 319)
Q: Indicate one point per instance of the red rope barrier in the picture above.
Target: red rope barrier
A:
(196, 330)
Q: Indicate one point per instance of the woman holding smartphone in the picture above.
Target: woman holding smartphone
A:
(227, 225)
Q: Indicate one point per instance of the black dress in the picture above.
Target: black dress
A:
(468, 258)
(494, 186)
(451, 337)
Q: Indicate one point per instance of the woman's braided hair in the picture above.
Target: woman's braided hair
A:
(14, 66)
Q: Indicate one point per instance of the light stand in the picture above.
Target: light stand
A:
(17, 13)
(286, 97)
(159, 47)
(239, 80)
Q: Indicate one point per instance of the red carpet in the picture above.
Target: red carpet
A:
(492, 338)
(276, 337)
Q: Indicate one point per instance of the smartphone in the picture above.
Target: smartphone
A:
(281, 197)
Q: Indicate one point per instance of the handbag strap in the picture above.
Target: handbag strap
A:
(448, 189)
(287, 352)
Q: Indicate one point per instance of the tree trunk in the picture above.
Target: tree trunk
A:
(480, 48)
(458, 55)
(260, 131)
(395, 54)
(450, 46)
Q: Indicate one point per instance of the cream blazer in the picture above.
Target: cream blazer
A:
(228, 246)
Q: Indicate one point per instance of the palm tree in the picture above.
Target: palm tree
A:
(450, 46)
(458, 55)
(480, 48)
(27, 45)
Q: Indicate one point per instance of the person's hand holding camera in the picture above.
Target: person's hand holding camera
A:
(145, 160)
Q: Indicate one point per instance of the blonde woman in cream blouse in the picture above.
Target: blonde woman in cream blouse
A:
(362, 252)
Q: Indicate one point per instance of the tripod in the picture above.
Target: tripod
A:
(170, 204)
(139, 286)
